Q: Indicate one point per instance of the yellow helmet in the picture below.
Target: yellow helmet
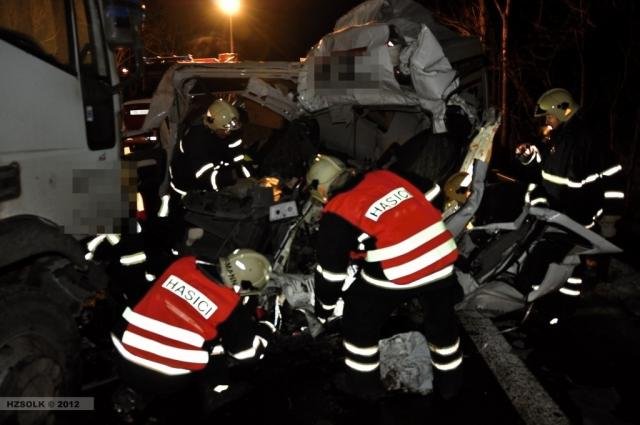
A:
(245, 270)
(557, 102)
(221, 116)
(326, 173)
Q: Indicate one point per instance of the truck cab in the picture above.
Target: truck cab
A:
(60, 115)
(60, 178)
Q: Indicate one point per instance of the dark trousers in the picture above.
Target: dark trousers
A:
(368, 307)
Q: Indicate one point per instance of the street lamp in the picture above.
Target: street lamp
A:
(230, 7)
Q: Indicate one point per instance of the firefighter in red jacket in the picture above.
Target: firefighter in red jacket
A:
(177, 334)
(385, 224)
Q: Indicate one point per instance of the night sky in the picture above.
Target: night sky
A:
(263, 29)
(285, 29)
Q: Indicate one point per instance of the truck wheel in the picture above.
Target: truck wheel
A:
(39, 347)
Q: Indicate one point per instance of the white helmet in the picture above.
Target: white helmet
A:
(245, 270)
(327, 173)
(221, 116)
(557, 102)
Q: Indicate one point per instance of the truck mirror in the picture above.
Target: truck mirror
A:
(123, 24)
(123, 19)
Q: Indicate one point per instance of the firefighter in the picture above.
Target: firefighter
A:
(573, 175)
(176, 336)
(382, 225)
(210, 155)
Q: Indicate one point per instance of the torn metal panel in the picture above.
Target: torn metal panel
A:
(489, 290)
(556, 277)
(598, 244)
(174, 94)
(432, 76)
(351, 67)
(406, 15)
(377, 45)
(270, 97)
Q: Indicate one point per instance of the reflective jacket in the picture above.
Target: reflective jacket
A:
(170, 329)
(578, 177)
(388, 224)
(203, 161)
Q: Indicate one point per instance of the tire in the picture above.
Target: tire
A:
(39, 351)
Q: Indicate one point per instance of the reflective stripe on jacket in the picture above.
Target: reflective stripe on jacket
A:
(183, 309)
(404, 232)
(203, 161)
(578, 176)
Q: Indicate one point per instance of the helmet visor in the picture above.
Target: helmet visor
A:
(539, 111)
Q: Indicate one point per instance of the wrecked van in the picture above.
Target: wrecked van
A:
(385, 88)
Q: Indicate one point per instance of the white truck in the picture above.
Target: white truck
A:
(60, 179)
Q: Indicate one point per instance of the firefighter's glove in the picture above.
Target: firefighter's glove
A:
(526, 153)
